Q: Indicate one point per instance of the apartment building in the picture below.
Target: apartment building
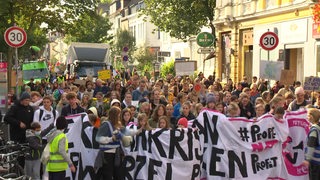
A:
(240, 25)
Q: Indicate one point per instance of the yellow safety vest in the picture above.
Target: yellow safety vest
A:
(60, 79)
(56, 162)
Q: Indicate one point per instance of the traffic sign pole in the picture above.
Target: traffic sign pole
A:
(16, 64)
(15, 37)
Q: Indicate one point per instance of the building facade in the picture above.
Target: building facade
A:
(240, 25)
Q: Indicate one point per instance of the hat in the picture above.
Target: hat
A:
(299, 90)
(210, 99)
(142, 100)
(24, 96)
(183, 122)
(94, 111)
(115, 101)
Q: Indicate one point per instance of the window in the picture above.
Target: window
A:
(271, 4)
(140, 6)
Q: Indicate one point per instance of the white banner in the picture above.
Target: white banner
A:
(83, 148)
(293, 151)
(217, 148)
(238, 148)
(164, 155)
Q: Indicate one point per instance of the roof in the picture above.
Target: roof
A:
(88, 52)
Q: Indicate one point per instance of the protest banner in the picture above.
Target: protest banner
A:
(293, 151)
(163, 154)
(216, 148)
(83, 148)
(238, 148)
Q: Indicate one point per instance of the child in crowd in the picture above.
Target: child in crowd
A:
(126, 117)
(186, 111)
(260, 110)
(233, 110)
(92, 119)
(32, 162)
(313, 144)
(210, 101)
(143, 122)
(278, 113)
(94, 111)
(198, 107)
(220, 107)
(163, 122)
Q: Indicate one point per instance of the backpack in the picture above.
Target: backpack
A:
(57, 94)
(42, 111)
(317, 131)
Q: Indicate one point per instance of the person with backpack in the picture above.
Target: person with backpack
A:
(72, 107)
(46, 114)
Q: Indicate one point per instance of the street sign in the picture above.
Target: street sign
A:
(15, 37)
(269, 41)
(205, 39)
(204, 50)
(125, 56)
(164, 54)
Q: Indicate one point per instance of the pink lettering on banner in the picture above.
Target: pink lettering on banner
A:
(260, 146)
(300, 123)
(300, 170)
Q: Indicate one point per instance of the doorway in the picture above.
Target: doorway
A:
(248, 58)
(294, 62)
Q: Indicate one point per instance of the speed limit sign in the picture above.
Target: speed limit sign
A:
(15, 37)
(269, 41)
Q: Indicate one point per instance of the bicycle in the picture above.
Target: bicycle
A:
(13, 177)
(9, 160)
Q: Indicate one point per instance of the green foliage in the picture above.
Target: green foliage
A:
(38, 17)
(124, 38)
(91, 27)
(167, 68)
(181, 18)
(145, 59)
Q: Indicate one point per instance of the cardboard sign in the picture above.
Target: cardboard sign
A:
(104, 74)
(312, 83)
(286, 77)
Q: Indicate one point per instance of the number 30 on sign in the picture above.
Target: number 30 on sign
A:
(269, 41)
(15, 37)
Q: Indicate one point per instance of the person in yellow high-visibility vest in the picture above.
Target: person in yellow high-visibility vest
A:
(59, 160)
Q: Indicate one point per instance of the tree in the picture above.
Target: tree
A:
(181, 18)
(167, 68)
(145, 59)
(123, 38)
(91, 27)
(38, 17)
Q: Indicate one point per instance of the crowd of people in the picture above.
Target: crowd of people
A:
(137, 102)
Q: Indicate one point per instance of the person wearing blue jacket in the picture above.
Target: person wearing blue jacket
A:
(108, 137)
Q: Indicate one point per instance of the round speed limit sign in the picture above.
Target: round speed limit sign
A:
(15, 37)
(269, 41)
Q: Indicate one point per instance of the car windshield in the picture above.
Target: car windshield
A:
(35, 74)
(84, 70)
